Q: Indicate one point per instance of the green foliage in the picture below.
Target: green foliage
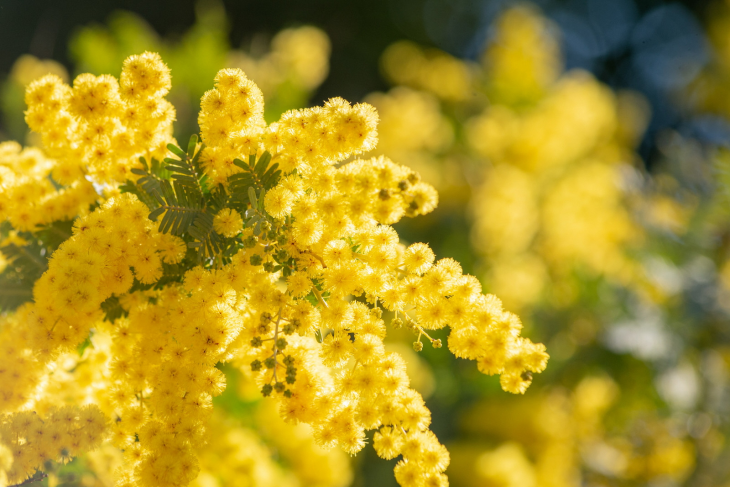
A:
(112, 309)
(26, 263)
(99, 49)
(178, 193)
(722, 173)
(255, 175)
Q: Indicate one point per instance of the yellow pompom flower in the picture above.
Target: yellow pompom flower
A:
(278, 202)
(418, 258)
(299, 284)
(172, 249)
(228, 222)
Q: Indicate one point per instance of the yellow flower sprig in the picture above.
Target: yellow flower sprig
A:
(293, 291)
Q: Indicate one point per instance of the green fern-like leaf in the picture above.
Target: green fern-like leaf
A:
(179, 206)
(25, 264)
(171, 273)
(178, 195)
(257, 174)
(211, 243)
(186, 170)
(216, 200)
(148, 186)
(112, 309)
(13, 294)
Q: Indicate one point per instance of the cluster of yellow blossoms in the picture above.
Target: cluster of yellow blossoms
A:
(286, 273)
(29, 198)
(101, 126)
(63, 433)
(545, 155)
(566, 441)
(287, 67)
(238, 457)
(541, 161)
(556, 166)
(298, 57)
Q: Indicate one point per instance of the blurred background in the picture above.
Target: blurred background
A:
(580, 149)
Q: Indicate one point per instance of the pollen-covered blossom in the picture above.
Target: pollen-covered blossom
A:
(228, 222)
(271, 253)
(101, 126)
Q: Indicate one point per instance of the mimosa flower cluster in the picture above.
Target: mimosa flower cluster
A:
(238, 456)
(554, 150)
(29, 199)
(563, 427)
(62, 434)
(548, 178)
(260, 246)
(559, 203)
(101, 126)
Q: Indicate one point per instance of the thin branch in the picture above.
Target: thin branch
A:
(64, 235)
(41, 264)
(276, 348)
(320, 259)
(319, 297)
(37, 477)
